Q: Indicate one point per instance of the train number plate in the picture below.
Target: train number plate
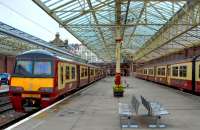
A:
(31, 95)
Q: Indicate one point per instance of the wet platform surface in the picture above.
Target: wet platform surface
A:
(97, 109)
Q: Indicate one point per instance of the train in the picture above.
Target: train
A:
(40, 78)
(182, 74)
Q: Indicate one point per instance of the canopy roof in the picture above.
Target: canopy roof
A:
(94, 23)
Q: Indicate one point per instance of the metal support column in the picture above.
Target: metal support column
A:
(118, 88)
(118, 58)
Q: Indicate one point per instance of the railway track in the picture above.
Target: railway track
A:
(8, 115)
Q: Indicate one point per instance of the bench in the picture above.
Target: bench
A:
(155, 109)
(126, 112)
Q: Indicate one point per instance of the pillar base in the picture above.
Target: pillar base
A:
(118, 94)
(118, 91)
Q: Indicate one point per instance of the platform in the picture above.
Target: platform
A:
(97, 109)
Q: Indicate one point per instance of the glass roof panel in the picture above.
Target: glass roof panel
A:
(93, 21)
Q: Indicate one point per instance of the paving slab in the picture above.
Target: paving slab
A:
(97, 109)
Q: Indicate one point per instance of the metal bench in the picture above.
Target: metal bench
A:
(155, 109)
(126, 112)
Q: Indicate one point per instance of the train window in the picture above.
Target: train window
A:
(145, 71)
(42, 68)
(67, 72)
(159, 71)
(199, 71)
(82, 72)
(86, 72)
(175, 71)
(73, 72)
(150, 71)
(163, 71)
(183, 71)
(92, 72)
(61, 74)
(24, 67)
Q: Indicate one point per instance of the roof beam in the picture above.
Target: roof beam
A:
(137, 24)
(169, 33)
(126, 25)
(84, 12)
(98, 28)
(158, 0)
(126, 16)
(43, 7)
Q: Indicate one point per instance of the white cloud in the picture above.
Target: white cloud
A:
(28, 17)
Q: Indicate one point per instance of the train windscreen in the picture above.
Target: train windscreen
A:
(33, 68)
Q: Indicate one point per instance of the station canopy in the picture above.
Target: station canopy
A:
(149, 28)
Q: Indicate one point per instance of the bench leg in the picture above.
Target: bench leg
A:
(130, 123)
(157, 123)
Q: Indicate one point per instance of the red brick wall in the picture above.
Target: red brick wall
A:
(10, 64)
(2, 63)
(7, 63)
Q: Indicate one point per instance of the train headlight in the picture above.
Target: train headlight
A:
(16, 89)
(46, 90)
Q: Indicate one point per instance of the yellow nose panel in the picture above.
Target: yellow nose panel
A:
(32, 84)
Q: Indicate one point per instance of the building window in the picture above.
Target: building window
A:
(175, 71)
(73, 72)
(183, 71)
(67, 72)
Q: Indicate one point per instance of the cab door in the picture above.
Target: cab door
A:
(61, 84)
(78, 75)
(88, 74)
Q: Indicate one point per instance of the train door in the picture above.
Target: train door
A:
(78, 75)
(60, 76)
(168, 74)
(88, 74)
(155, 73)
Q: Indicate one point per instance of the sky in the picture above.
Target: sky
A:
(28, 17)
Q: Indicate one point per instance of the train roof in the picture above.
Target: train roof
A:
(39, 51)
(47, 54)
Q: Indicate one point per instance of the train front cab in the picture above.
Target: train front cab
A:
(33, 81)
(181, 76)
